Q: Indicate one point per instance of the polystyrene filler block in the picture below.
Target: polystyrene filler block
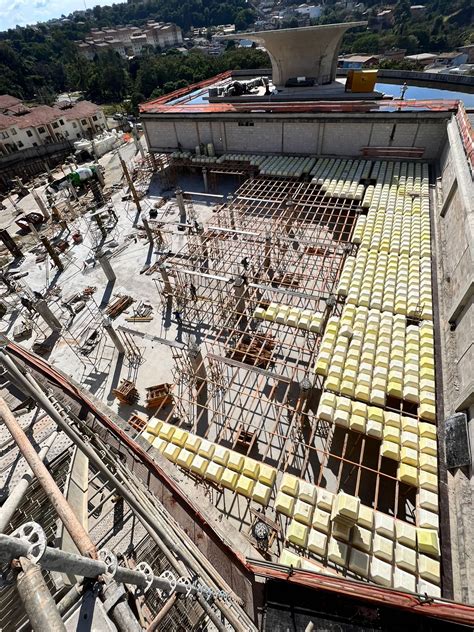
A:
(284, 504)
(214, 472)
(289, 484)
(261, 494)
(171, 452)
(383, 548)
(307, 492)
(317, 542)
(303, 512)
(359, 563)
(297, 533)
(245, 486)
(337, 552)
(290, 559)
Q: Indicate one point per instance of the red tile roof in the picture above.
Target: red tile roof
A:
(44, 115)
(7, 101)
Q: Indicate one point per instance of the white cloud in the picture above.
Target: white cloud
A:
(22, 12)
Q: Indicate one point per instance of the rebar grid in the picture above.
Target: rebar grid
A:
(288, 242)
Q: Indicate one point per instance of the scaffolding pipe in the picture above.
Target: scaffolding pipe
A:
(162, 613)
(74, 527)
(39, 606)
(157, 532)
(16, 496)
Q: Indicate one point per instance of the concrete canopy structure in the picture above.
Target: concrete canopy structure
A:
(310, 51)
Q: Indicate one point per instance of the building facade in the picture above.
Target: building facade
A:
(129, 41)
(23, 127)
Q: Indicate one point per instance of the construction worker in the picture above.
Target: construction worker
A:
(193, 290)
(178, 318)
(245, 263)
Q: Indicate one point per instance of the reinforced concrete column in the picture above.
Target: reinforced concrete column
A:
(149, 234)
(52, 252)
(10, 243)
(106, 267)
(47, 315)
(167, 289)
(197, 362)
(240, 293)
(109, 328)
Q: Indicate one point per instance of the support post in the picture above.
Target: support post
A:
(106, 267)
(99, 175)
(197, 362)
(47, 482)
(10, 244)
(133, 191)
(240, 291)
(41, 205)
(181, 206)
(149, 234)
(268, 246)
(52, 252)
(47, 315)
(205, 180)
(167, 289)
(113, 335)
(39, 606)
(100, 223)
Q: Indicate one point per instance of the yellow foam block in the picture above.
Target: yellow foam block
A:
(221, 455)
(199, 465)
(337, 552)
(287, 558)
(179, 437)
(166, 431)
(261, 493)
(317, 542)
(384, 525)
(321, 520)
(214, 472)
(405, 558)
(308, 492)
(427, 519)
(403, 580)
(365, 517)
(192, 443)
(427, 411)
(427, 430)
(362, 538)
(390, 450)
(383, 548)
(341, 531)
(290, 484)
(429, 569)
(325, 499)
(345, 506)
(171, 452)
(428, 481)
(245, 486)
(359, 563)
(303, 512)
(391, 419)
(148, 436)
(292, 319)
(409, 440)
(185, 458)
(428, 541)
(409, 455)
(405, 533)
(236, 461)
(391, 434)
(428, 446)
(428, 500)
(375, 414)
(282, 315)
(154, 426)
(374, 429)
(251, 468)
(428, 463)
(159, 444)
(357, 423)
(408, 474)
(229, 478)
(284, 504)
(206, 449)
(267, 474)
(297, 533)
(259, 312)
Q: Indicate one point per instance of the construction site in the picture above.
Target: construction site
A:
(237, 368)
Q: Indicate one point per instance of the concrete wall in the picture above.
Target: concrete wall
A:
(454, 237)
(322, 135)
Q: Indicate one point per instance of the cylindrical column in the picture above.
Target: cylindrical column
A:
(47, 315)
(106, 267)
(162, 613)
(41, 204)
(52, 252)
(99, 175)
(167, 289)
(39, 606)
(109, 328)
(205, 180)
(98, 219)
(181, 206)
(47, 482)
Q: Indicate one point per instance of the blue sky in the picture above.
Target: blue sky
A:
(21, 12)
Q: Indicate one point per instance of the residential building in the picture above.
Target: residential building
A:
(22, 127)
(424, 59)
(311, 12)
(356, 62)
(385, 19)
(450, 60)
(417, 10)
(129, 41)
(394, 54)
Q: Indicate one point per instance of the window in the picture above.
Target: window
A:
(35, 144)
(74, 124)
(246, 123)
(14, 132)
(55, 125)
(94, 118)
(41, 130)
(84, 122)
(61, 121)
(66, 133)
(20, 144)
(78, 135)
(29, 133)
(4, 135)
